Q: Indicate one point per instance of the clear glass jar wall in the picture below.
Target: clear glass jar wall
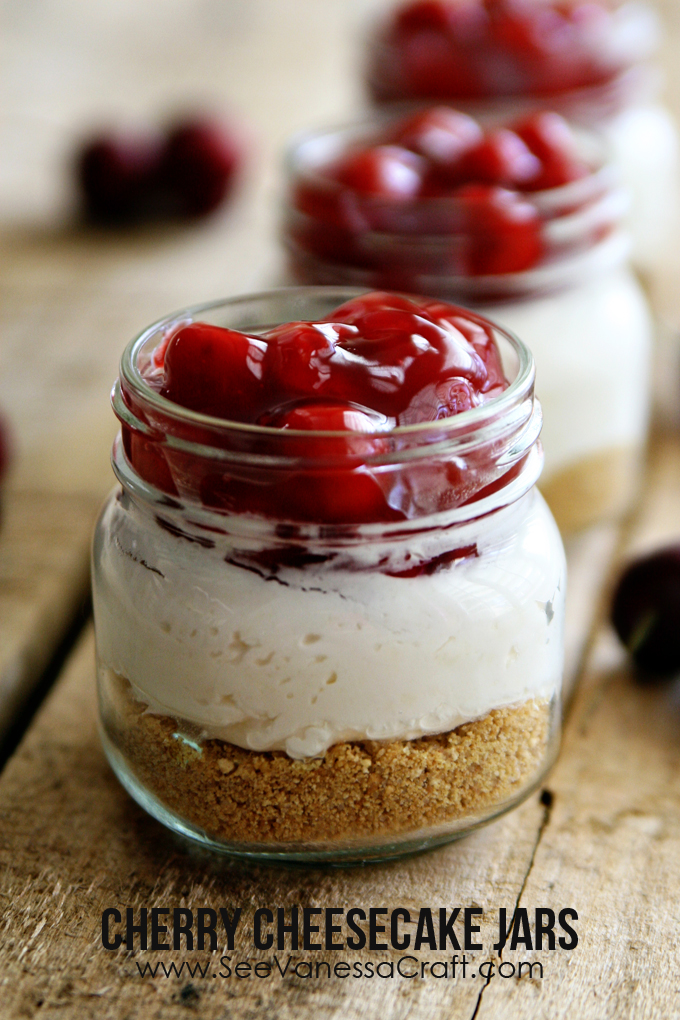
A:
(277, 688)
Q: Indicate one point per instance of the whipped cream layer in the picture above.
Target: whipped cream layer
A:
(592, 347)
(305, 658)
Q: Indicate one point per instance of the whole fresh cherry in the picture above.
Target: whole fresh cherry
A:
(385, 171)
(501, 157)
(188, 173)
(646, 611)
(198, 165)
(442, 136)
(117, 175)
(551, 139)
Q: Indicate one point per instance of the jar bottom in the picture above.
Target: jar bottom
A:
(362, 801)
(600, 487)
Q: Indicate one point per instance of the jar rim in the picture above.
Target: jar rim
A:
(476, 420)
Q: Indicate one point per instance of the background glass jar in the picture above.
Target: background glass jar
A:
(278, 685)
(558, 276)
(594, 68)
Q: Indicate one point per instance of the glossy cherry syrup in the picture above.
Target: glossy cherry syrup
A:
(377, 362)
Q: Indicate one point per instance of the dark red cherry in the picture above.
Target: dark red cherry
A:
(441, 135)
(339, 493)
(215, 371)
(199, 164)
(117, 175)
(501, 158)
(551, 139)
(424, 14)
(384, 171)
(472, 49)
(378, 361)
(355, 310)
(396, 354)
(480, 337)
(149, 461)
(502, 230)
(334, 416)
(646, 611)
(298, 356)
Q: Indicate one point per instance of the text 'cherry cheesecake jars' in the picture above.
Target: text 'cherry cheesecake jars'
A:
(328, 597)
(522, 222)
(588, 59)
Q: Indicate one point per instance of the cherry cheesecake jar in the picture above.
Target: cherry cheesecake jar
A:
(591, 60)
(521, 222)
(328, 597)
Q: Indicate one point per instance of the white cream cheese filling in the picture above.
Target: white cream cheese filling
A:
(592, 346)
(310, 657)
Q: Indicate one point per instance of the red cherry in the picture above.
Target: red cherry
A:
(148, 460)
(501, 158)
(298, 357)
(355, 310)
(199, 164)
(378, 361)
(646, 611)
(480, 337)
(503, 231)
(466, 49)
(215, 371)
(442, 135)
(346, 495)
(551, 139)
(385, 171)
(117, 176)
(396, 354)
(334, 416)
(424, 14)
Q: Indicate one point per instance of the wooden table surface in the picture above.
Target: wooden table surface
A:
(601, 838)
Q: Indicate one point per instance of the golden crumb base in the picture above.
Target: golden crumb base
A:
(357, 790)
(597, 488)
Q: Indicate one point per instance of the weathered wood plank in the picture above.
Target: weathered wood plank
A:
(44, 579)
(612, 845)
(589, 558)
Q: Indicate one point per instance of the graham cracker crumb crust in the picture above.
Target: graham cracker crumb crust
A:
(357, 789)
(600, 487)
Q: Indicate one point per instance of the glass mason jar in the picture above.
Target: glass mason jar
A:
(596, 70)
(356, 687)
(578, 305)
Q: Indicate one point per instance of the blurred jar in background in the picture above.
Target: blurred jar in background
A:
(551, 265)
(589, 59)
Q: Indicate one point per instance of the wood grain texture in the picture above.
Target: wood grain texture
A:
(612, 845)
(589, 562)
(44, 579)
